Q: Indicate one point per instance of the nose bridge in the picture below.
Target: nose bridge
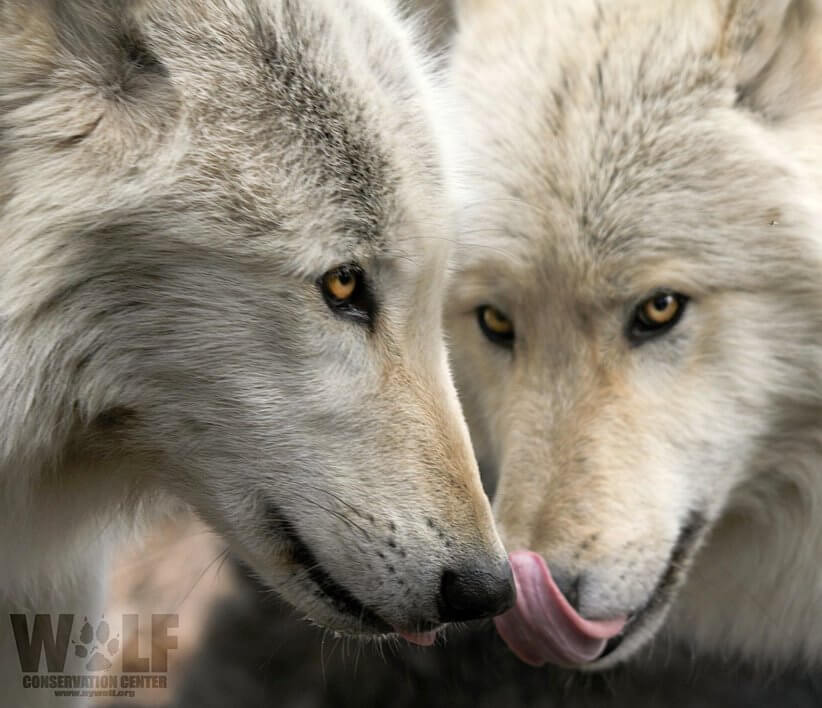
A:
(558, 379)
(546, 481)
(469, 504)
(451, 488)
(566, 364)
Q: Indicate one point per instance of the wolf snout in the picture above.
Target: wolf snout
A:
(476, 592)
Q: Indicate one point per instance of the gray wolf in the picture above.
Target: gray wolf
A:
(222, 229)
(637, 318)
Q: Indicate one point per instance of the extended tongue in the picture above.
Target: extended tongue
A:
(422, 639)
(543, 627)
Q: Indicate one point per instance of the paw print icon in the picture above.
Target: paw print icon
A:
(97, 645)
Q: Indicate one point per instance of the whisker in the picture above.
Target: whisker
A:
(222, 554)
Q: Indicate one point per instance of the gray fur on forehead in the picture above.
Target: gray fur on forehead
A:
(332, 127)
(318, 116)
(312, 114)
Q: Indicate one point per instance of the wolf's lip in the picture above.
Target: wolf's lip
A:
(543, 627)
(340, 597)
(662, 596)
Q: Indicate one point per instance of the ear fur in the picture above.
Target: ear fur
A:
(775, 49)
(73, 67)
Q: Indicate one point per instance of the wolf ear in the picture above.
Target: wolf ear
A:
(775, 49)
(74, 62)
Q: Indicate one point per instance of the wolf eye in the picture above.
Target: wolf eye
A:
(340, 284)
(657, 315)
(496, 326)
(346, 293)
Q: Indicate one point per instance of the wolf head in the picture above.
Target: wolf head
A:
(221, 229)
(637, 314)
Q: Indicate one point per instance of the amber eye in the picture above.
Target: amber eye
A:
(348, 294)
(496, 326)
(658, 314)
(660, 310)
(340, 284)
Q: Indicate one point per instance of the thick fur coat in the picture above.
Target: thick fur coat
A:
(176, 179)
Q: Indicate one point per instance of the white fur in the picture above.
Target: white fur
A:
(610, 149)
(175, 178)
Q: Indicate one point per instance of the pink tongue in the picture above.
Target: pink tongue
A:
(543, 627)
(422, 639)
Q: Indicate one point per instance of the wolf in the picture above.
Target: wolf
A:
(223, 229)
(636, 318)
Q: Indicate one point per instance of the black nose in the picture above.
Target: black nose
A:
(476, 593)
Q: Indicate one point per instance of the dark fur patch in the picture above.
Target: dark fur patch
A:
(141, 58)
(80, 137)
(116, 417)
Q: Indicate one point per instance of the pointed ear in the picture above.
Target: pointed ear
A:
(77, 67)
(775, 50)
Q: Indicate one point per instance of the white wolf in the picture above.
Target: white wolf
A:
(220, 282)
(637, 320)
